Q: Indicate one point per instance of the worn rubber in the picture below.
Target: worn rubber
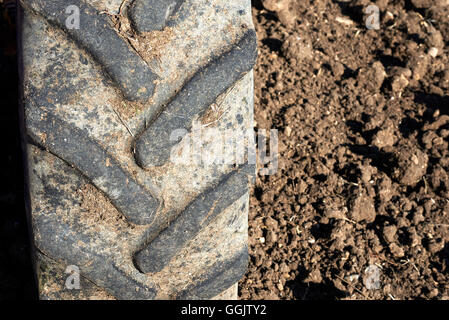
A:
(98, 116)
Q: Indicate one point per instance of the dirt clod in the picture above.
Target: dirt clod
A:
(396, 250)
(389, 233)
(362, 207)
(411, 165)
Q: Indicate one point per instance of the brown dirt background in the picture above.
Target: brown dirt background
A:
(363, 120)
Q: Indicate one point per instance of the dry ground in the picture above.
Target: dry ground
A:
(363, 118)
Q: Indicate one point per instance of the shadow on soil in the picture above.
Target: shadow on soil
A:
(314, 291)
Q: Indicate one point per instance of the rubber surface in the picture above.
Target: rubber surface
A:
(100, 105)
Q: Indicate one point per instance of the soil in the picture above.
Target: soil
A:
(96, 207)
(362, 186)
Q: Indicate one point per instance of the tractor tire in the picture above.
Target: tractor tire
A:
(112, 91)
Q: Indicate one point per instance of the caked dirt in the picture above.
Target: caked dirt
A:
(359, 206)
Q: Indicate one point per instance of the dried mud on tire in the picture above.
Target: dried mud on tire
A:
(363, 179)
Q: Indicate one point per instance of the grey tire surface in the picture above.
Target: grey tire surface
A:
(106, 105)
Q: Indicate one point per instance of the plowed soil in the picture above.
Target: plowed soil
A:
(359, 206)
